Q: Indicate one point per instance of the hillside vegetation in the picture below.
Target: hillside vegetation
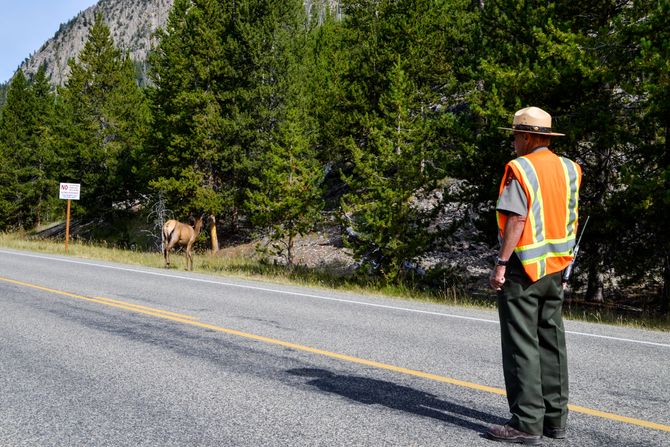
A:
(379, 118)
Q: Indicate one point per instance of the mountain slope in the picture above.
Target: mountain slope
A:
(131, 23)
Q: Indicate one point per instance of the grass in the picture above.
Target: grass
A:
(247, 268)
(240, 267)
(640, 319)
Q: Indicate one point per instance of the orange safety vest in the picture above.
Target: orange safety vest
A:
(551, 184)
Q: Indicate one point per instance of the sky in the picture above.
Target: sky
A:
(26, 24)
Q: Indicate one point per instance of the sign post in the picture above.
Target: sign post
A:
(69, 192)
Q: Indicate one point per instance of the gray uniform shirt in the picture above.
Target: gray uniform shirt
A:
(513, 198)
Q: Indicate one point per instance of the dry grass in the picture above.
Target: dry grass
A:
(242, 262)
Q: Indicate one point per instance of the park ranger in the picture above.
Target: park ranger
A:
(537, 223)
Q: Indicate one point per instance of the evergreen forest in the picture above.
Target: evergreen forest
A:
(275, 117)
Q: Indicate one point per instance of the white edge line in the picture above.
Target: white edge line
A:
(586, 334)
(320, 297)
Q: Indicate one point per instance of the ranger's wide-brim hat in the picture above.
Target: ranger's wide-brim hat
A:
(533, 120)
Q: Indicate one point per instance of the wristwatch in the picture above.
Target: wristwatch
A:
(501, 262)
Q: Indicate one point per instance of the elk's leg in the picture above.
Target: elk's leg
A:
(189, 257)
(166, 253)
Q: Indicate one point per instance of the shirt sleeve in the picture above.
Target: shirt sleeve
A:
(513, 198)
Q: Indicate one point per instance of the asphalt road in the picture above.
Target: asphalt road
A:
(102, 354)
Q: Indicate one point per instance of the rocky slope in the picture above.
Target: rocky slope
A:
(131, 23)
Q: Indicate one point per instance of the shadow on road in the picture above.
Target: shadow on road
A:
(379, 392)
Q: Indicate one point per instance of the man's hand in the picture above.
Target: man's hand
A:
(497, 278)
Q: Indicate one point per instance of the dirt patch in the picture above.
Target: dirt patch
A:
(466, 263)
(322, 250)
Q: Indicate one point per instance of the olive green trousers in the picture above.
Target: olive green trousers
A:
(533, 350)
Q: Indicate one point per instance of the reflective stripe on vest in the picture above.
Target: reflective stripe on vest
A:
(573, 191)
(535, 217)
(534, 253)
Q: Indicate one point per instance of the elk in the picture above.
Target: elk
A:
(180, 234)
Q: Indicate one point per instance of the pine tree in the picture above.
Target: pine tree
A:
(403, 82)
(25, 145)
(639, 209)
(285, 194)
(14, 135)
(3, 95)
(397, 168)
(286, 198)
(44, 179)
(217, 72)
(187, 68)
(105, 118)
(328, 57)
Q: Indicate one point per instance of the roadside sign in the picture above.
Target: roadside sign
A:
(70, 191)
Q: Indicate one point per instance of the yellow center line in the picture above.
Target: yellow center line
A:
(347, 358)
(106, 301)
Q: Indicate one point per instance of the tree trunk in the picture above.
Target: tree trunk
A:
(212, 232)
(594, 291)
(289, 252)
(665, 296)
(234, 221)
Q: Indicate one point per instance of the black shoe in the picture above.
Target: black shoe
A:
(505, 433)
(554, 432)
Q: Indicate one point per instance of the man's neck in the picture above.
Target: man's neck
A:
(536, 149)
